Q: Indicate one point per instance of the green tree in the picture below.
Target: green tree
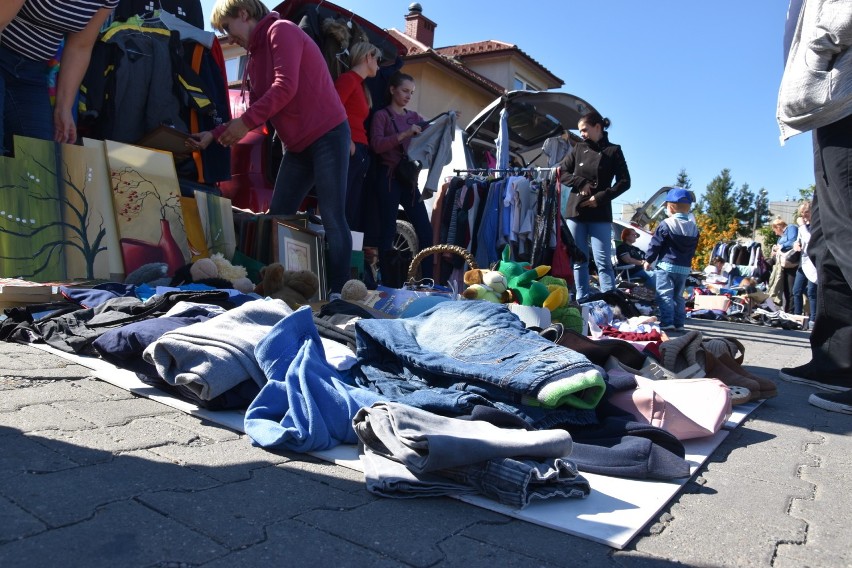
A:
(718, 202)
(807, 193)
(683, 179)
(752, 209)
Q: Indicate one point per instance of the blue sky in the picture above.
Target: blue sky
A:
(686, 84)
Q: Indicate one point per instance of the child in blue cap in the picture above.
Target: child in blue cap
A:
(672, 249)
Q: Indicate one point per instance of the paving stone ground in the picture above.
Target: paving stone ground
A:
(91, 475)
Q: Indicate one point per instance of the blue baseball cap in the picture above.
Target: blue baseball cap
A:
(678, 195)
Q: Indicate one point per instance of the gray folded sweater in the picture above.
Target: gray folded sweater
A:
(216, 355)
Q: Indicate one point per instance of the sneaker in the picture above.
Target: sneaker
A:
(805, 375)
(667, 327)
(679, 328)
(833, 401)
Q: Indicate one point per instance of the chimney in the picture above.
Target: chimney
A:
(418, 26)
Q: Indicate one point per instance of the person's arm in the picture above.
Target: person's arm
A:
(383, 136)
(656, 244)
(622, 179)
(833, 35)
(625, 257)
(8, 10)
(75, 61)
(786, 241)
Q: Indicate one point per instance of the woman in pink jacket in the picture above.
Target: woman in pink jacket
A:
(291, 87)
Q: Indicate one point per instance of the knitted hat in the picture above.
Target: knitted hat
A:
(678, 353)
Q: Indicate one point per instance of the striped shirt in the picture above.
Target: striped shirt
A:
(40, 26)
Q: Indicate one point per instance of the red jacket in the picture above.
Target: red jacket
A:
(290, 85)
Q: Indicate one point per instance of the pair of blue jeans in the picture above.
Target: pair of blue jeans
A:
(391, 194)
(324, 165)
(461, 353)
(670, 300)
(802, 286)
(600, 236)
(24, 99)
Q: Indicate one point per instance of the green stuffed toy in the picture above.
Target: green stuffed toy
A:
(523, 281)
(559, 304)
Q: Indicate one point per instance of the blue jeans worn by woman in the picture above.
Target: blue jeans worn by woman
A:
(600, 235)
(24, 99)
(392, 194)
(803, 286)
(359, 162)
(670, 286)
(323, 164)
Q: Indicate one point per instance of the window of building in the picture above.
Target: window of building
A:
(521, 84)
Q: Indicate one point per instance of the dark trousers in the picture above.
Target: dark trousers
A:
(359, 162)
(323, 165)
(24, 100)
(391, 194)
(831, 233)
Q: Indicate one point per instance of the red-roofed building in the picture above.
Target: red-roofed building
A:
(467, 76)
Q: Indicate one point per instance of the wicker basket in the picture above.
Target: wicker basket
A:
(429, 251)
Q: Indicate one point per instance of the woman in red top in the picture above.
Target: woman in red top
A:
(291, 87)
(365, 58)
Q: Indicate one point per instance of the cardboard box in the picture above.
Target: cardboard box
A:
(707, 302)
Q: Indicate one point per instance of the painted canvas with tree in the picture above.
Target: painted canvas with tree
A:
(57, 218)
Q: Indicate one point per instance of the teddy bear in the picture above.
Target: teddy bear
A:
(217, 271)
(489, 285)
(295, 287)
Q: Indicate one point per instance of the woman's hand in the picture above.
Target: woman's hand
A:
(590, 202)
(413, 131)
(64, 128)
(234, 132)
(351, 148)
(199, 141)
(646, 265)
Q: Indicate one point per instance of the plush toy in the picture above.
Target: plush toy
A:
(354, 291)
(561, 310)
(295, 287)
(489, 285)
(218, 272)
(523, 281)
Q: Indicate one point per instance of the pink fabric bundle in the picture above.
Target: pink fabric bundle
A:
(687, 408)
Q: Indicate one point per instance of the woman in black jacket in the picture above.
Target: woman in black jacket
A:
(596, 172)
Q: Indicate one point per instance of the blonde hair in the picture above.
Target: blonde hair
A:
(358, 53)
(778, 222)
(804, 206)
(231, 9)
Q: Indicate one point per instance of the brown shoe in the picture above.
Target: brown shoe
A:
(717, 370)
(768, 388)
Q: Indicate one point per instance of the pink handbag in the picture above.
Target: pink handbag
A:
(687, 408)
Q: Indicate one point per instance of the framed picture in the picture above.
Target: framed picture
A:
(298, 248)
